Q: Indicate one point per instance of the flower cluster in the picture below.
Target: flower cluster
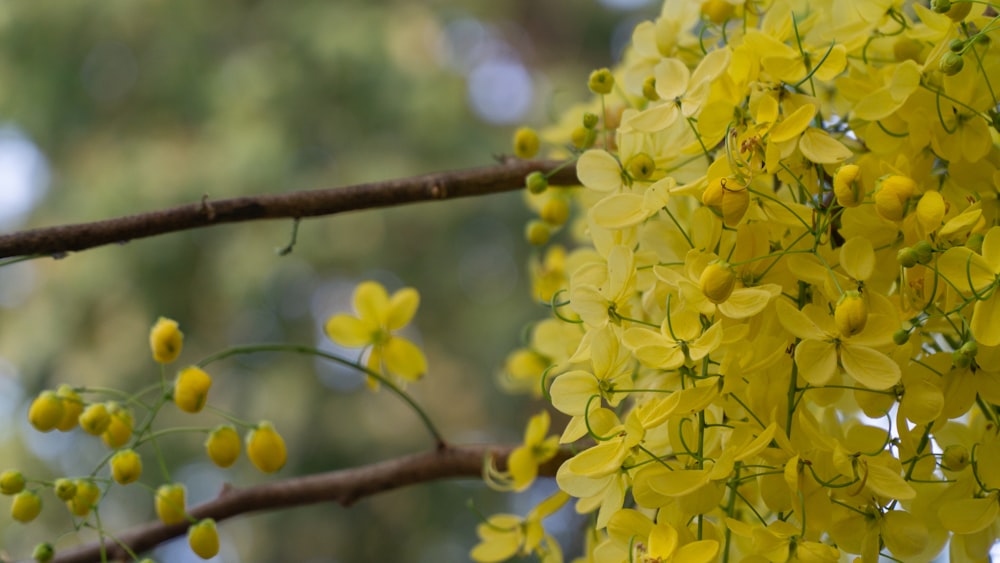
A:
(65, 408)
(776, 326)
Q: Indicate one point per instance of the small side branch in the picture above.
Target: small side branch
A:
(345, 487)
(58, 240)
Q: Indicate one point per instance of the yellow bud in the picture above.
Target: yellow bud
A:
(43, 552)
(87, 494)
(119, 427)
(717, 11)
(191, 389)
(46, 411)
(851, 313)
(126, 466)
(26, 506)
(717, 281)
(640, 166)
(601, 81)
(959, 10)
(266, 448)
(555, 211)
(955, 457)
(72, 407)
(892, 196)
(526, 142)
(583, 137)
(951, 63)
(65, 489)
(165, 340)
(536, 182)
(11, 482)
(170, 503)
(847, 186)
(537, 233)
(203, 538)
(95, 419)
(712, 196)
(223, 445)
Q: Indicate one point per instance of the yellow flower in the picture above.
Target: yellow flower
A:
(523, 462)
(87, 494)
(170, 503)
(978, 275)
(126, 466)
(223, 445)
(505, 535)
(892, 196)
(266, 448)
(191, 389)
(46, 411)
(203, 538)
(378, 317)
(165, 340)
(26, 506)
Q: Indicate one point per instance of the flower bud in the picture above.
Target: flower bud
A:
(907, 257)
(583, 138)
(590, 120)
(72, 407)
(640, 166)
(851, 313)
(26, 507)
(536, 182)
(537, 233)
(126, 466)
(43, 552)
(940, 6)
(847, 186)
(960, 360)
(191, 389)
(87, 494)
(223, 445)
(901, 336)
(892, 195)
(11, 482)
(959, 10)
(601, 81)
(555, 212)
(170, 503)
(266, 448)
(165, 340)
(956, 45)
(712, 196)
(955, 457)
(969, 348)
(203, 538)
(924, 251)
(46, 411)
(717, 281)
(65, 489)
(717, 11)
(119, 427)
(95, 419)
(526, 142)
(951, 63)
(649, 89)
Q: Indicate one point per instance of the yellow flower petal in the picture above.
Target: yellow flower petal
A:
(702, 551)
(349, 331)
(662, 541)
(402, 306)
(599, 171)
(857, 257)
(965, 269)
(888, 482)
(618, 211)
(969, 515)
(817, 361)
(793, 125)
(404, 358)
(371, 302)
(818, 146)
(869, 367)
(986, 321)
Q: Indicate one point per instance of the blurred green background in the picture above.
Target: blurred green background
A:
(121, 106)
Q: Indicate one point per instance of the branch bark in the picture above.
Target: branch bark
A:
(345, 486)
(58, 240)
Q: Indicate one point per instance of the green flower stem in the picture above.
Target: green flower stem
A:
(310, 351)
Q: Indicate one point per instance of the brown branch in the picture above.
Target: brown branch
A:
(345, 486)
(58, 240)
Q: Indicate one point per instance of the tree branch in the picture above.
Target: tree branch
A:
(58, 240)
(345, 486)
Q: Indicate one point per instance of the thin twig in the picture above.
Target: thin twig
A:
(57, 241)
(345, 487)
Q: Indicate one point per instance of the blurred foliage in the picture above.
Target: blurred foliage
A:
(142, 105)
